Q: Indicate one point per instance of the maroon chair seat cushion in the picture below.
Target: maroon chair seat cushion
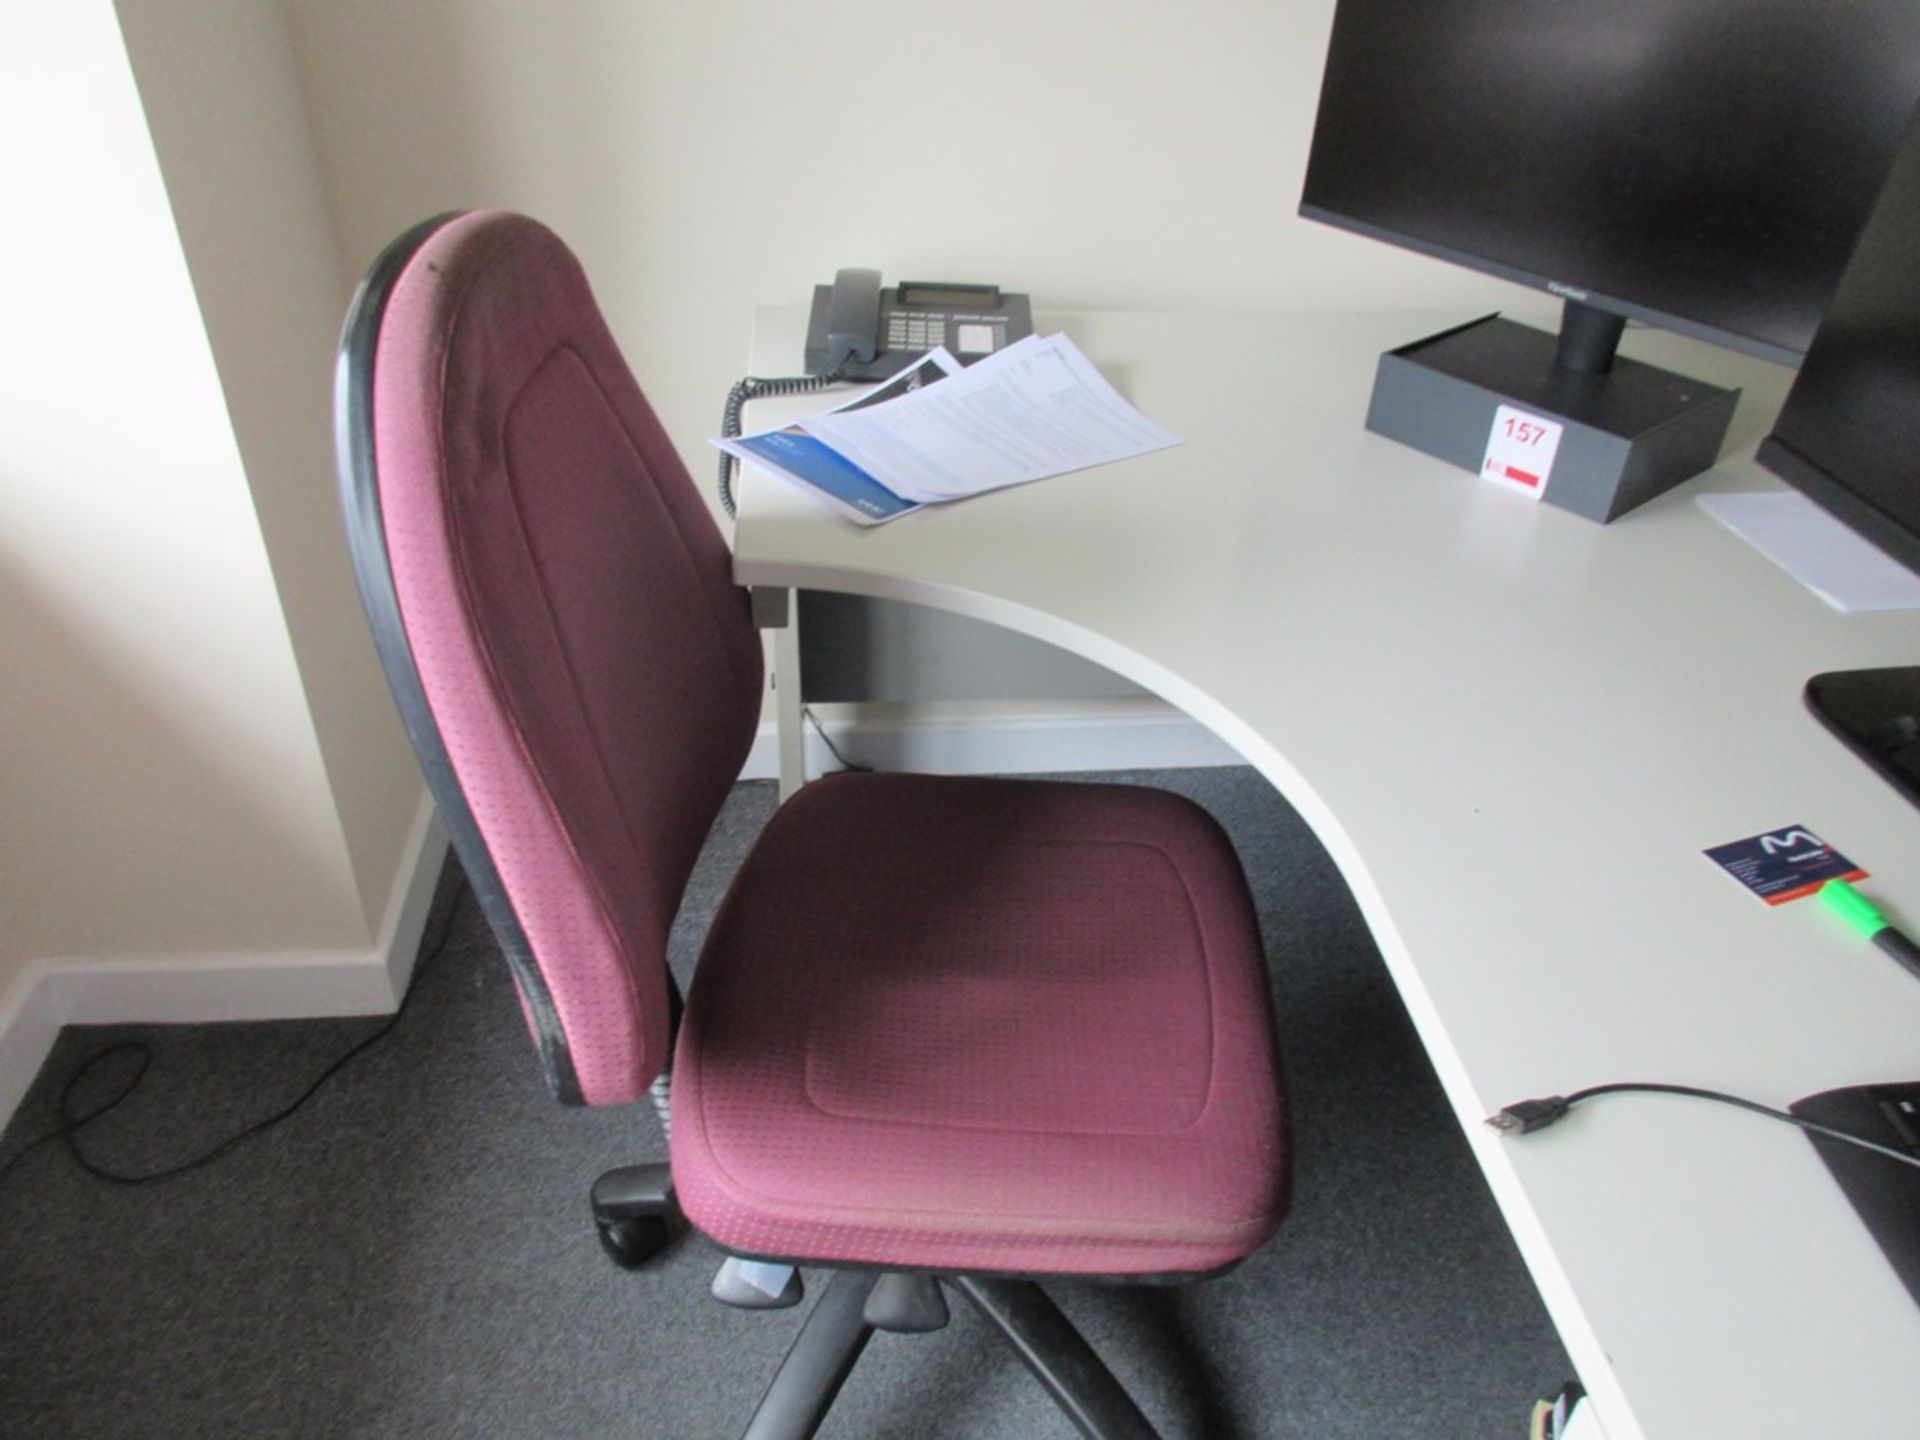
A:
(983, 1025)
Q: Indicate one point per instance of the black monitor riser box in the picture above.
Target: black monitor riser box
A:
(1700, 165)
(1628, 434)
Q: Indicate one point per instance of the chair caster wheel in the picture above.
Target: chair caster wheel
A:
(630, 1243)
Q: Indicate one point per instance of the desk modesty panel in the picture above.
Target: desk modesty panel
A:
(1515, 731)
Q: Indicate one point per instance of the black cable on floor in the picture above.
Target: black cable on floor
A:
(72, 1123)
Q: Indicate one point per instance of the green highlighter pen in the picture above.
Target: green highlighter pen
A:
(1854, 908)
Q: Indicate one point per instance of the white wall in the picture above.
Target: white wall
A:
(205, 813)
(224, 106)
(162, 788)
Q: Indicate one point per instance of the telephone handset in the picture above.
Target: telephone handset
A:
(858, 331)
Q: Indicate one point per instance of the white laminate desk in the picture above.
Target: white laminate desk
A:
(1515, 731)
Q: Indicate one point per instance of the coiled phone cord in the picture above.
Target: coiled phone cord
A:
(753, 387)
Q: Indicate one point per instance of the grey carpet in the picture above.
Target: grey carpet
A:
(410, 1254)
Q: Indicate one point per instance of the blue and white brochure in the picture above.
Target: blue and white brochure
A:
(828, 473)
(1032, 411)
(1036, 409)
(824, 472)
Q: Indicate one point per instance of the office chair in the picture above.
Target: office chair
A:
(944, 1032)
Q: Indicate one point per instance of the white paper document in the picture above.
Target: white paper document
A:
(1847, 572)
(1035, 409)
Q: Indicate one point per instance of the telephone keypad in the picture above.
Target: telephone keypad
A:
(906, 333)
(912, 332)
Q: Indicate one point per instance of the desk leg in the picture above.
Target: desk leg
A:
(1584, 1423)
(778, 611)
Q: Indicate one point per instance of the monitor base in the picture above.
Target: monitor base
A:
(1876, 714)
(1884, 1192)
(1630, 432)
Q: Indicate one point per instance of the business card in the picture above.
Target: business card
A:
(1784, 865)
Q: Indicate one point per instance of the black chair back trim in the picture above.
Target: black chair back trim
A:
(367, 543)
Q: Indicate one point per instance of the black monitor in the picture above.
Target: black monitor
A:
(1849, 436)
(1704, 165)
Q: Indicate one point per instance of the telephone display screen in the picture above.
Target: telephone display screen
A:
(959, 296)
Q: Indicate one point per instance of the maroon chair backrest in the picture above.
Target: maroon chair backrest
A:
(554, 608)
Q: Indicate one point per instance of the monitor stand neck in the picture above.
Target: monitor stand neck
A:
(1589, 336)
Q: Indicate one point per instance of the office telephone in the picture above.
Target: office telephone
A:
(859, 331)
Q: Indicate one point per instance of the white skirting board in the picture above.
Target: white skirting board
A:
(187, 989)
(1001, 737)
